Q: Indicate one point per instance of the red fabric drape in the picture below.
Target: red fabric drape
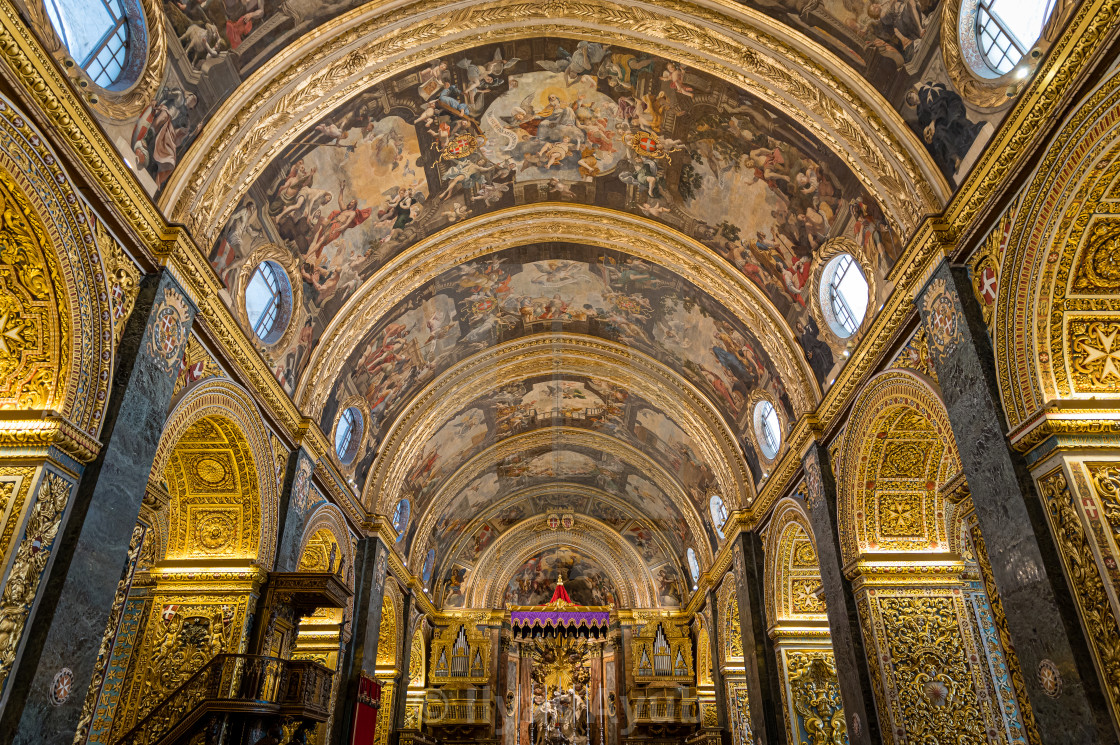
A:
(560, 594)
(365, 711)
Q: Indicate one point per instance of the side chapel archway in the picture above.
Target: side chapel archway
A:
(902, 547)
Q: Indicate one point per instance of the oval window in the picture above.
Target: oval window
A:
(693, 566)
(844, 295)
(719, 513)
(430, 559)
(268, 301)
(347, 435)
(98, 35)
(1007, 29)
(767, 429)
(400, 518)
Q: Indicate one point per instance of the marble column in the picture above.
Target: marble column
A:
(1041, 614)
(763, 687)
(45, 690)
(411, 621)
(295, 508)
(718, 682)
(843, 618)
(371, 563)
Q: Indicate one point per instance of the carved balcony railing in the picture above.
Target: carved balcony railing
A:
(665, 710)
(238, 683)
(449, 711)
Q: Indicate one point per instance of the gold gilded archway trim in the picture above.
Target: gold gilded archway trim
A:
(724, 39)
(330, 518)
(576, 491)
(226, 400)
(31, 170)
(556, 437)
(792, 574)
(885, 460)
(567, 354)
(486, 583)
(1056, 305)
(593, 226)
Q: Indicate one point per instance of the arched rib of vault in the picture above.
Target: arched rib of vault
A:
(486, 584)
(557, 438)
(528, 224)
(760, 55)
(575, 491)
(568, 354)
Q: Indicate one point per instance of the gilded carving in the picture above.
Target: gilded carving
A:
(999, 618)
(815, 696)
(34, 320)
(186, 639)
(167, 329)
(942, 318)
(1098, 270)
(1084, 578)
(198, 364)
(122, 275)
(930, 669)
(31, 558)
(1095, 355)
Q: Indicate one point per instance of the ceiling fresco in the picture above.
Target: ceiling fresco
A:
(575, 289)
(549, 120)
(539, 402)
(530, 510)
(625, 479)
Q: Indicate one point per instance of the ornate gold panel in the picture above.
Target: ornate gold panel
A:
(662, 653)
(814, 712)
(34, 318)
(459, 654)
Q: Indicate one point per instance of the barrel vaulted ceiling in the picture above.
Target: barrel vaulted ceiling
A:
(553, 252)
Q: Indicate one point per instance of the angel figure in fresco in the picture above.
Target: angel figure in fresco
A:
(485, 77)
(402, 208)
(160, 130)
(583, 60)
(674, 76)
(338, 223)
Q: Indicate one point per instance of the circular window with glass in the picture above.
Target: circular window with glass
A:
(1005, 30)
(103, 37)
(767, 429)
(719, 512)
(268, 301)
(844, 295)
(400, 518)
(693, 566)
(347, 435)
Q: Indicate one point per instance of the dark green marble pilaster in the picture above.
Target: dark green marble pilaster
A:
(67, 624)
(1041, 614)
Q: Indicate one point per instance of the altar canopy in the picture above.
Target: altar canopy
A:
(560, 617)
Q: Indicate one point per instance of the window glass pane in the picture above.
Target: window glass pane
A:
(82, 24)
(1023, 19)
(346, 434)
(264, 297)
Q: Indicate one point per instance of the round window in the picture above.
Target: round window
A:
(268, 301)
(693, 565)
(719, 513)
(100, 35)
(400, 518)
(767, 429)
(347, 435)
(844, 295)
(1007, 29)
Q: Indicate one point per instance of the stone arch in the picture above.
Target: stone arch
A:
(485, 585)
(703, 652)
(898, 454)
(216, 461)
(58, 312)
(731, 639)
(899, 466)
(1056, 307)
(792, 573)
(739, 45)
